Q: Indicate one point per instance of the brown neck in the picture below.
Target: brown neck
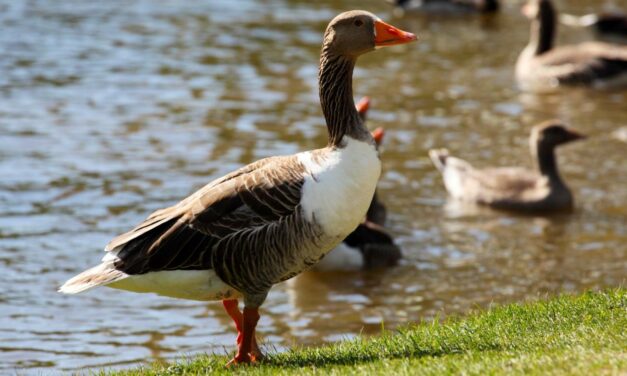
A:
(336, 97)
(543, 29)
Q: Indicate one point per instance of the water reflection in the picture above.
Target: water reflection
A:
(111, 110)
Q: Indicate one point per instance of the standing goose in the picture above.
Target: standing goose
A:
(447, 6)
(268, 221)
(541, 67)
(513, 188)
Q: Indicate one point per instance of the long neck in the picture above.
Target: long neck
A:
(545, 159)
(336, 97)
(543, 29)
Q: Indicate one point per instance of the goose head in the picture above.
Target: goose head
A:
(356, 32)
(378, 135)
(348, 36)
(545, 137)
(362, 108)
(551, 134)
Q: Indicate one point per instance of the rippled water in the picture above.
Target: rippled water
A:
(109, 111)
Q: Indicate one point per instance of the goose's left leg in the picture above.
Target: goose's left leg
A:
(247, 347)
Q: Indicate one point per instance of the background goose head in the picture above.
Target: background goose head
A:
(362, 108)
(553, 133)
(378, 135)
(545, 137)
(543, 25)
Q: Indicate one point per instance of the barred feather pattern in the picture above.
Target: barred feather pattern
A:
(336, 97)
(249, 228)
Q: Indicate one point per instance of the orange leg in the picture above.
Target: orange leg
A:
(247, 348)
(230, 306)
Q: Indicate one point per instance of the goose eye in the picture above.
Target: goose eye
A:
(359, 23)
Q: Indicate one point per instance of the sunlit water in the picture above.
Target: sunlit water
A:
(109, 111)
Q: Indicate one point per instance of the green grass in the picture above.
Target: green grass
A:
(575, 335)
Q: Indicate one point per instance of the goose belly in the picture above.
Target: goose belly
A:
(339, 187)
(182, 284)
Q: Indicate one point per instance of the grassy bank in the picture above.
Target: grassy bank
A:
(581, 335)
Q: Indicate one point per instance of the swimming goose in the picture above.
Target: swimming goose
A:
(268, 221)
(369, 245)
(541, 67)
(513, 188)
(446, 6)
(607, 23)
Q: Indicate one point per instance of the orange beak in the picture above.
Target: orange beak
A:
(388, 35)
(378, 134)
(363, 105)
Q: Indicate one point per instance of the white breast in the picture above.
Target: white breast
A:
(339, 186)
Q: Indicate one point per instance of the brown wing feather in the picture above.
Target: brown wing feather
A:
(185, 236)
(507, 184)
(507, 179)
(488, 184)
(200, 200)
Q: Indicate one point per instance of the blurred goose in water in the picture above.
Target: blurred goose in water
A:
(542, 67)
(268, 221)
(446, 6)
(513, 188)
(369, 246)
(607, 23)
(377, 212)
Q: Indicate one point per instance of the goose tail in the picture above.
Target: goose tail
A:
(438, 157)
(99, 275)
